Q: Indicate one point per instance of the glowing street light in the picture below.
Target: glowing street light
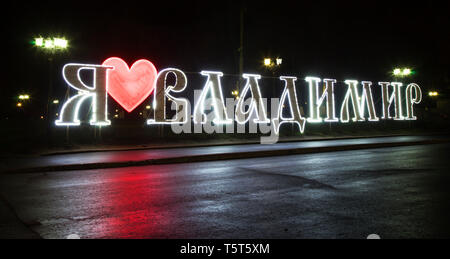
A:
(51, 43)
(39, 42)
(19, 104)
(402, 72)
(406, 72)
(24, 97)
(433, 93)
(276, 62)
(60, 43)
(55, 101)
(397, 71)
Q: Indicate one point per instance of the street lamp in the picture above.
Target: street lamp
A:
(407, 72)
(51, 46)
(433, 93)
(397, 71)
(235, 93)
(403, 72)
(279, 61)
(269, 64)
(51, 43)
(24, 97)
(273, 67)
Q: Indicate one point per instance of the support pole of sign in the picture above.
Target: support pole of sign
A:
(67, 127)
(67, 135)
(49, 112)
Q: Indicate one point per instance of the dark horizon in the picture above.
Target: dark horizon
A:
(363, 41)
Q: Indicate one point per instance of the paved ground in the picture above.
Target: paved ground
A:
(400, 192)
(9, 163)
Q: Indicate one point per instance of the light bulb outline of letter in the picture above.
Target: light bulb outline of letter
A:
(358, 102)
(395, 98)
(290, 91)
(213, 83)
(410, 101)
(162, 92)
(98, 92)
(315, 102)
(368, 97)
(385, 99)
(256, 104)
(397, 101)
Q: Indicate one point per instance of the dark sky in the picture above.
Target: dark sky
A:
(361, 40)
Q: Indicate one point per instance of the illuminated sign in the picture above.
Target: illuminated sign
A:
(132, 86)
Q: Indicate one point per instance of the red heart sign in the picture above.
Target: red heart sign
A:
(130, 86)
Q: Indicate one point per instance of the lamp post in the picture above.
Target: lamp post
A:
(272, 64)
(51, 46)
(403, 72)
(22, 99)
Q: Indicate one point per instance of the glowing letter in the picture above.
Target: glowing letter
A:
(352, 92)
(358, 106)
(98, 92)
(162, 92)
(297, 118)
(410, 100)
(256, 102)
(315, 102)
(387, 100)
(367, 97)
(213, 84)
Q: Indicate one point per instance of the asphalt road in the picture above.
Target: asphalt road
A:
(10, 163)
(400, 192)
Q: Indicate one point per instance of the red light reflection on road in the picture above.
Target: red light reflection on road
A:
(136, 204)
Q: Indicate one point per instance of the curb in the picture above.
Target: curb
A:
(232, 144)
(218, 157)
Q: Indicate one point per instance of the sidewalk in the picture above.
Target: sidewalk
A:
(155, 156)
(186, 144)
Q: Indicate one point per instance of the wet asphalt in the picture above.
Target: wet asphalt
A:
(400, 192)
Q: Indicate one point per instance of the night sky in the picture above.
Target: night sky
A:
(361, 40)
